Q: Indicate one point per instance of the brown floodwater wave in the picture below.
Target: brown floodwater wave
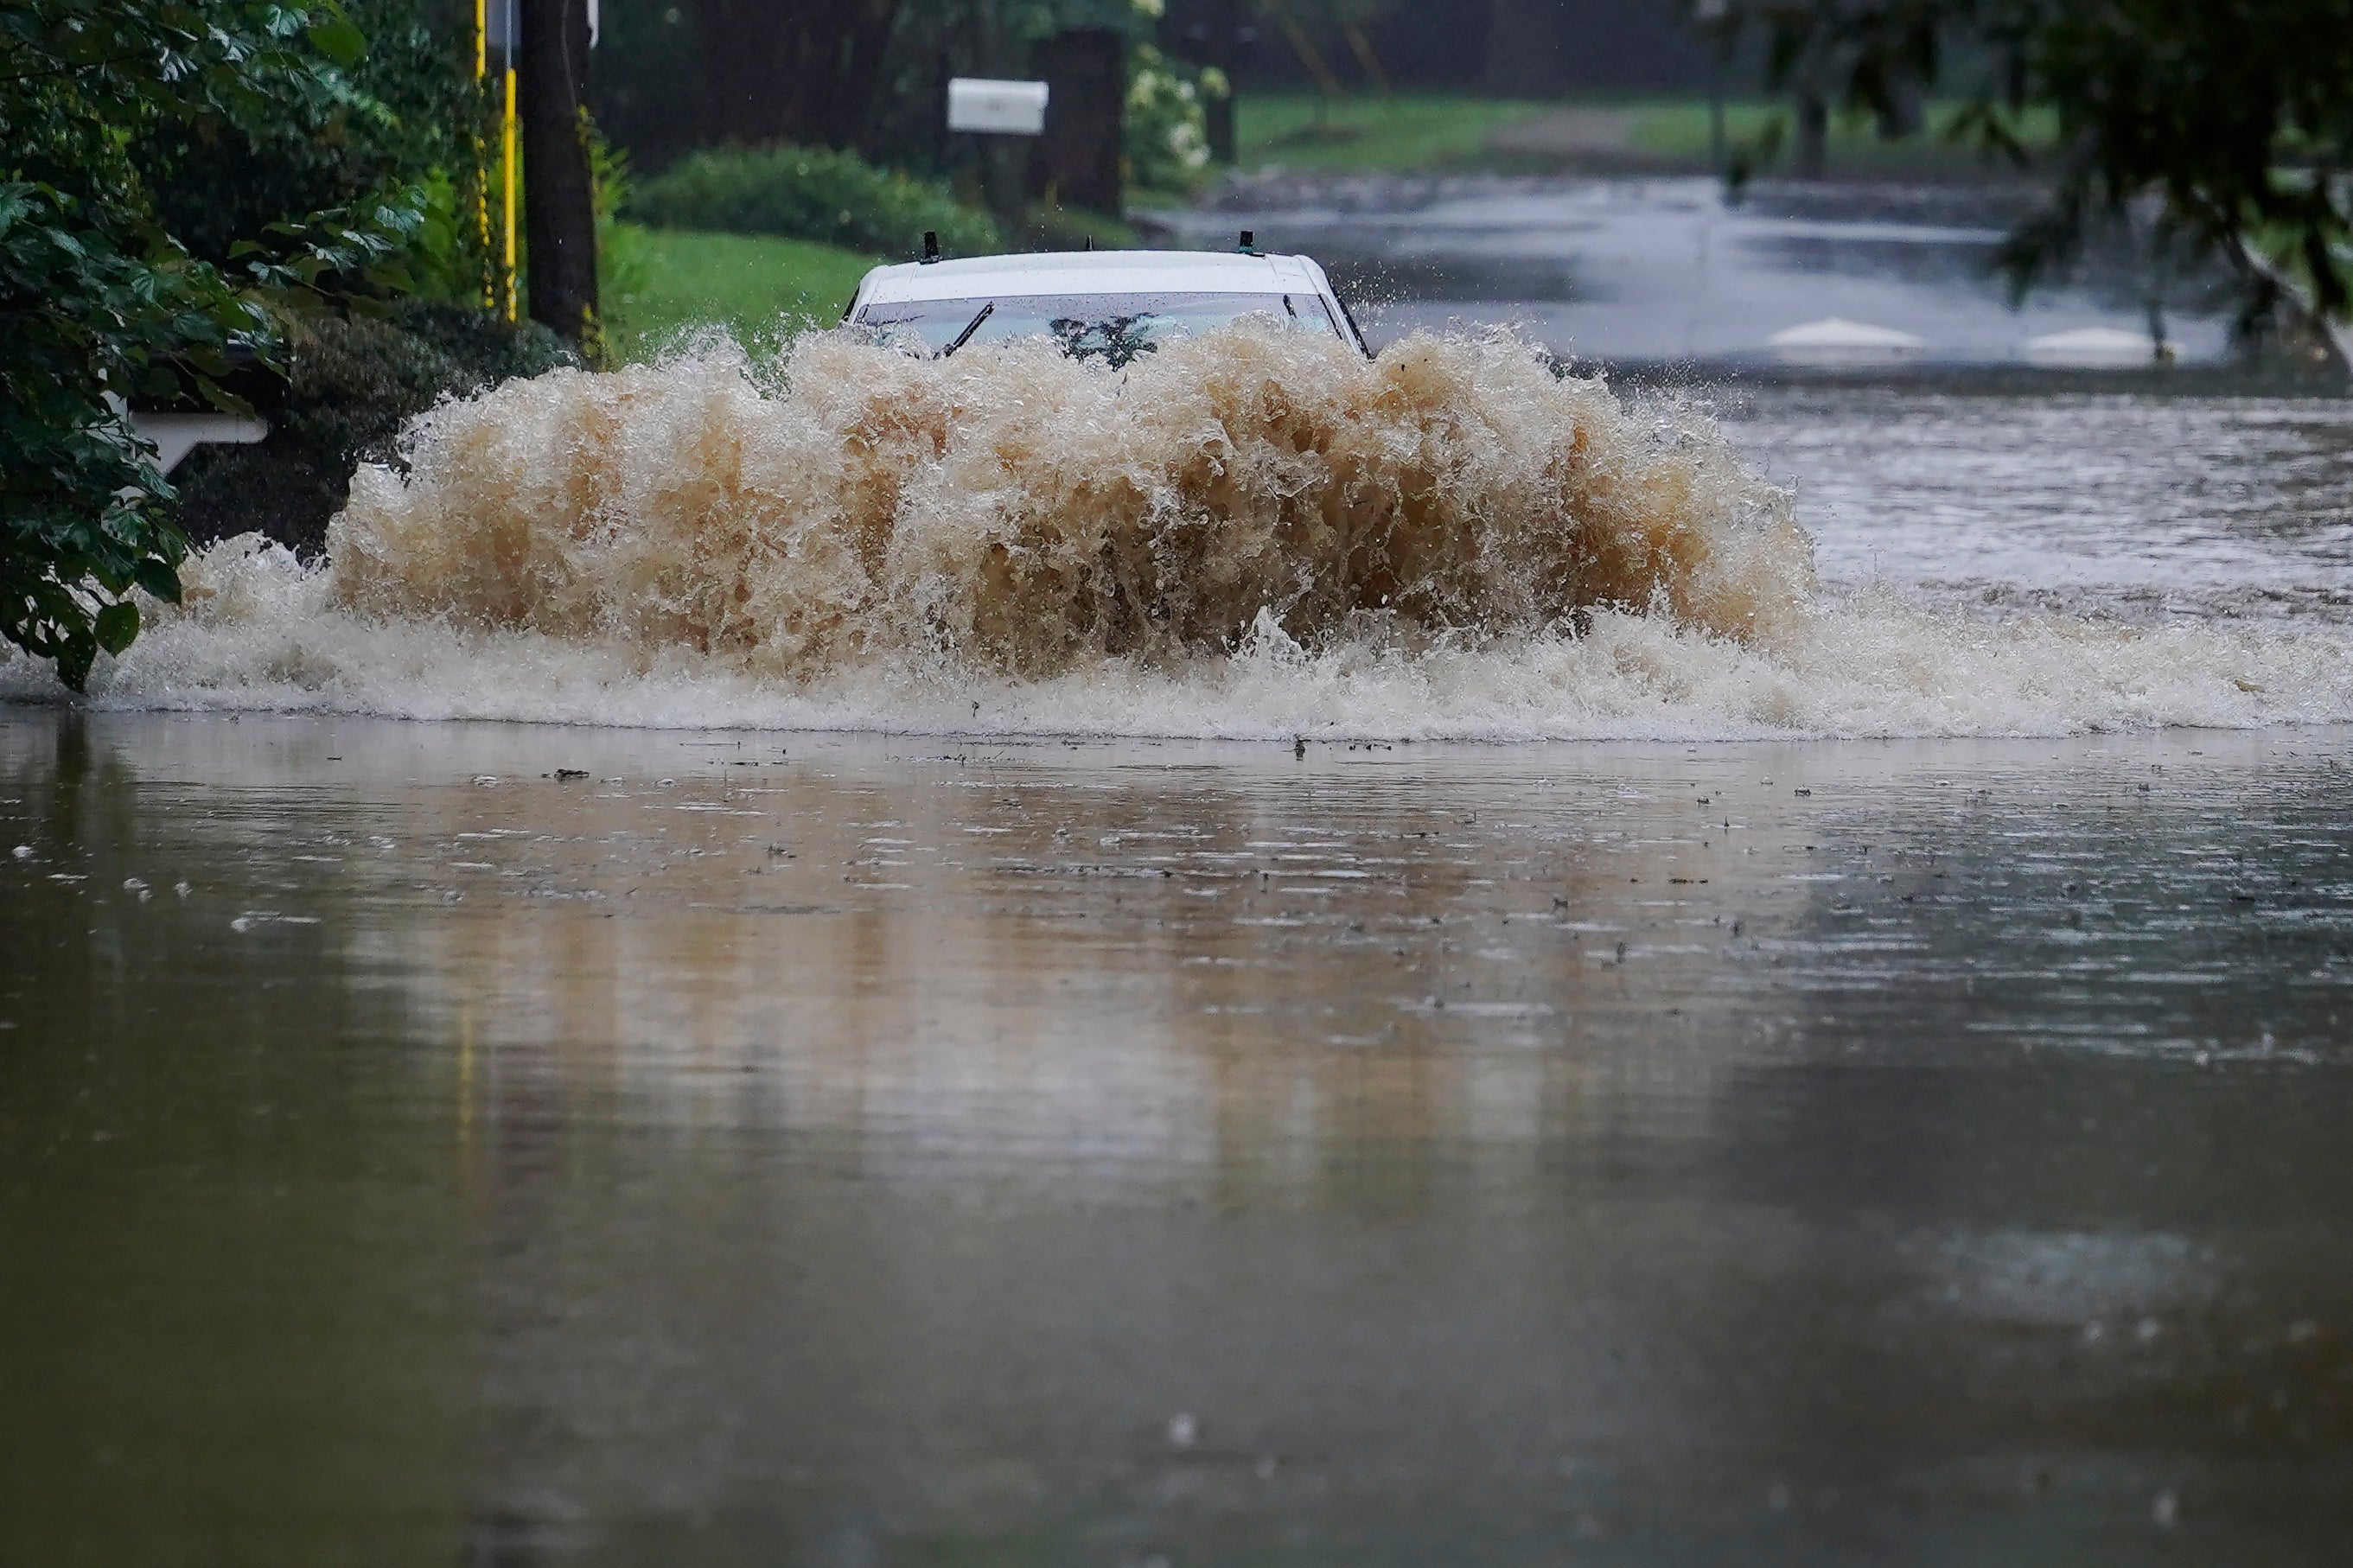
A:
(1253, 534)
(1031, 514)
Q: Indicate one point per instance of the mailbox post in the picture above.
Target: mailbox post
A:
(997, 111)
(495, 31)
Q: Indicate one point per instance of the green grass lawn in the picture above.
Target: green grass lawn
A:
(1677, 128)
(1411, 131)
(1414, 132)
(659, 281)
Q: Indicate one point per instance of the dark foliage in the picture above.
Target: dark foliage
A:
(790, 71)
(352, 385)
(2229, 121)
(100, 305)
(406, 106)
(868, 76)
(643, 81)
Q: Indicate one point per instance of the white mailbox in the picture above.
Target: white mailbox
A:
(997, 108)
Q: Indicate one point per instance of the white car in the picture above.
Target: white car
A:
(1112, 304)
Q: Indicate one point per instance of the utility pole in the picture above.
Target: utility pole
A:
(559, 195)
(1813, 112)
(1711, 15)
(1813, 131)
(1219, 46)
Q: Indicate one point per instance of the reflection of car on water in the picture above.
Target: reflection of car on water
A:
(1107, 304)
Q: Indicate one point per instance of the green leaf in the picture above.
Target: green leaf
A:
(339, 40)
(116, 625)
(221, 398)
(158, 578)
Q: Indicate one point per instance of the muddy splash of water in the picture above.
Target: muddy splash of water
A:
(1256, 537)
(1028, 514)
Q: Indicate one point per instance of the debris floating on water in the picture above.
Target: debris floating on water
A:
(1834, 340)
(2097, 346)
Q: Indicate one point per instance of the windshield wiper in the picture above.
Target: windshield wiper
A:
(970, 327)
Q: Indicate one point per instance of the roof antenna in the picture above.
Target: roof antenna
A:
(930, 246)
(1248, 246)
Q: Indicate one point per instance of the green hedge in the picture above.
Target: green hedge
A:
(801, 193)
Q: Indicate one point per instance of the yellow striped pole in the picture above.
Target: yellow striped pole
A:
(510, 139)
(481, 174)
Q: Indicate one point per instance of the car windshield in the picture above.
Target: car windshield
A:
(1113, 327)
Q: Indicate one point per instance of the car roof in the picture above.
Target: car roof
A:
(1091, 272)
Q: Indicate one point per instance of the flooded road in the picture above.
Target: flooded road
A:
(800, 967)
(2147, 503)
(791, 1148)
(1663, 271)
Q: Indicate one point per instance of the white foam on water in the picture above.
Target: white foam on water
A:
(1249, 535)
